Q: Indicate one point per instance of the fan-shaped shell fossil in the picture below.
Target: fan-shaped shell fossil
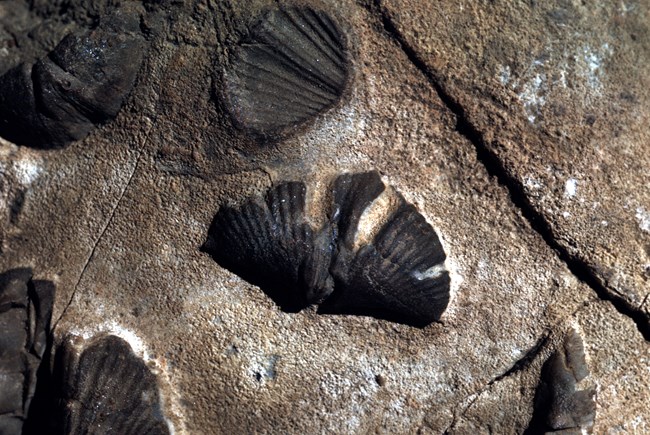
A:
(270, 244)
(25, 311)
(106, 388)
(291, 66)
(81, 83)
(399, 276)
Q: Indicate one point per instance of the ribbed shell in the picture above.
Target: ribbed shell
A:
(389, 278)
(400, 276)
(270, 244)
(352, 194)
(292, 66)
(81, 83)
(108, 390)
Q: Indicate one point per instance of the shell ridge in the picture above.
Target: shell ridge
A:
(423, 244)
(279, 202)
(282, 67)
(352, 194)
(398, 287)
(403, 273)
(298, 63)
(119, 394)
(335, 37)
(242, 227)
(294, 79)
(250, 234)
(317, 39)
(364, 290)
(87, 377)
(259, 223)
(285, 98)
(336, 49)
(295, 47)
(285, 103)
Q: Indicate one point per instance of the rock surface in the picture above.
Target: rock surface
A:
(556, 96)
(463, 109)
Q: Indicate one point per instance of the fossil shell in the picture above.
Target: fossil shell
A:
(25, 311)
(559, 406)
(270, 244)
(106, 388)
(400, 276)
(292, 66)
(83, 82)
(352, 194)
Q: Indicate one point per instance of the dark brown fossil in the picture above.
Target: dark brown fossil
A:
(25, 311)
(269, 242)
(104, 387)
(82, 83)
(559, 407)
(399, 276)
(292, 65)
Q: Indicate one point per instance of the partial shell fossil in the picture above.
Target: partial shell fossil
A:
(291, 66)
(105, 388)
(269, 242)
(559, 406)
(83, 82)
(399, 276)
(25, 312)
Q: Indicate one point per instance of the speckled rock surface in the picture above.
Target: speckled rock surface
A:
(557, 92)
(117, 221)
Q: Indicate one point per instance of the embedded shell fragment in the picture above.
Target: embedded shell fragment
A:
(561, 407)
(270, 243)
(292, 66)
(399, 276)
(83, 82)
(106, 388)
(25, 311)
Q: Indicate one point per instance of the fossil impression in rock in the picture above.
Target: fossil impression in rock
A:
(560, 407)
(83, 82)
(292, 65)
(398, 276)
(105, 388)
(25, 311)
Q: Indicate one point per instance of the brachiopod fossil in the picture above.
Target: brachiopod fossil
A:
(399, 275)
(291, 66)
(81, 83)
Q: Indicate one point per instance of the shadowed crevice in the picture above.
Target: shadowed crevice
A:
(525, 360)
(495, 167)
(519, 365)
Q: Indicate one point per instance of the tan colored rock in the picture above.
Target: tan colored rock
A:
(557, 93)
(117, 221)
(617, 359)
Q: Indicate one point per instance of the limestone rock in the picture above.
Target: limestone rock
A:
(446, 102)
(556, 95)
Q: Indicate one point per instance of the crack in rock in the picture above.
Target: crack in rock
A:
(583, 271)
(519, 365)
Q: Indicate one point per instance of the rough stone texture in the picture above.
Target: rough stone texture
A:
(558, 93)
(117, 220)
(618, 371)
(25, 310)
